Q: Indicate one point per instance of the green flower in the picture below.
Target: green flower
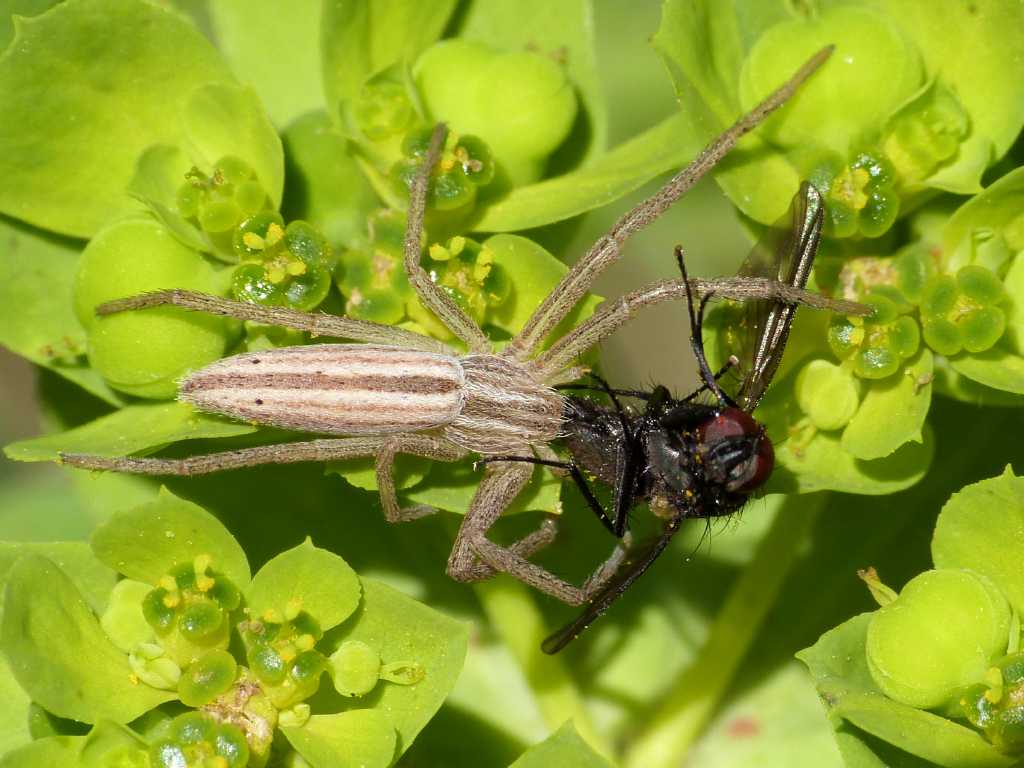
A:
(960, 313)
(281, 266)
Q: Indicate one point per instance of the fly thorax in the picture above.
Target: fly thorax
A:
(506, 409)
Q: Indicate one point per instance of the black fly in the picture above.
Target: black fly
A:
(684, 458)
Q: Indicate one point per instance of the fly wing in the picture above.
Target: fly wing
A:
(786, 254)
(631, 570)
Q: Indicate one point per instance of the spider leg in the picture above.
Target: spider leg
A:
(316, 323)
(574, 473)
(335, 449)
(432, 296)
(475, 557)
(608, 248)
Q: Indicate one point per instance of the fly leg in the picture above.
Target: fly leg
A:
(475, 557)
(337, 449)
(432, 296)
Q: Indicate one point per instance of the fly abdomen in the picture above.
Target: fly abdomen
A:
(341, 389)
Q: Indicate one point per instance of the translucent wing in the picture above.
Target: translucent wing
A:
(785, 253)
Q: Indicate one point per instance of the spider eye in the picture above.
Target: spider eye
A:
(737, 452)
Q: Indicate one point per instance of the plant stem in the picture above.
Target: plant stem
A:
(697, 692)
(513, 613)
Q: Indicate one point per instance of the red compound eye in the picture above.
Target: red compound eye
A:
(739, 453)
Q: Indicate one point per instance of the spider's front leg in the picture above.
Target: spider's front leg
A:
(475, 557)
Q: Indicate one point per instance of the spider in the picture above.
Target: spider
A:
(399, 392)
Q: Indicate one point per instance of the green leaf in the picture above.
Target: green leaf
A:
(920, 733)
(838, 664)
(995, 209)
(981, 528)
(359, 38)
(146, 542)
(37, 272)
(951, 384)
(359, 738)
(327, 588)
(14, 711)
(997, 368)
(124, 71)
(566, 27)
(325, 185)
(563, 747)
(451, 487)
(12, 8)
(133, 429)
(75, 558)
(822, 464)
(112, 744)
(533, 272)
(966, 46)
(159, 172)
(892, 412)
(51, 751)
(604, 180)
(60, 655)
(226, 119)
(401, 629)
(250, 34)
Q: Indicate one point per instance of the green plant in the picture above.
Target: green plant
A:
(134, 158)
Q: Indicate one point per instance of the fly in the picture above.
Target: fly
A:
(689, 459)
(399, 392)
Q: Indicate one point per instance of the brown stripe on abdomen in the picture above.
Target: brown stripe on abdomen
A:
(343, 389)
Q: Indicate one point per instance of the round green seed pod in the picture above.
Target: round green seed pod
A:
(207, 678)
(451, 190)
(940, 635)
(873, 71)
(219, 215)
(531, 112)
(229, 743)
(879, 213)
(876, 361)
(201, 621)
(267, 664)
(145, 353)
(914, 268)
(827, 393)
(980, 284)
(233, 170)
(905, 336)
(884, 309)
(192, 728)
(982, 328)
(939, 297)
(158, 614)
(446, 75)
(845, 336)
(943, 336)
(355, 668)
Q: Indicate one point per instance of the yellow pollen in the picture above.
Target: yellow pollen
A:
(172, 600)
(274, 233)
(205, 583)
(296, 267)
(288, 652)
(848, 187)
(253, 241)
(167, 582)
(305, 642)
